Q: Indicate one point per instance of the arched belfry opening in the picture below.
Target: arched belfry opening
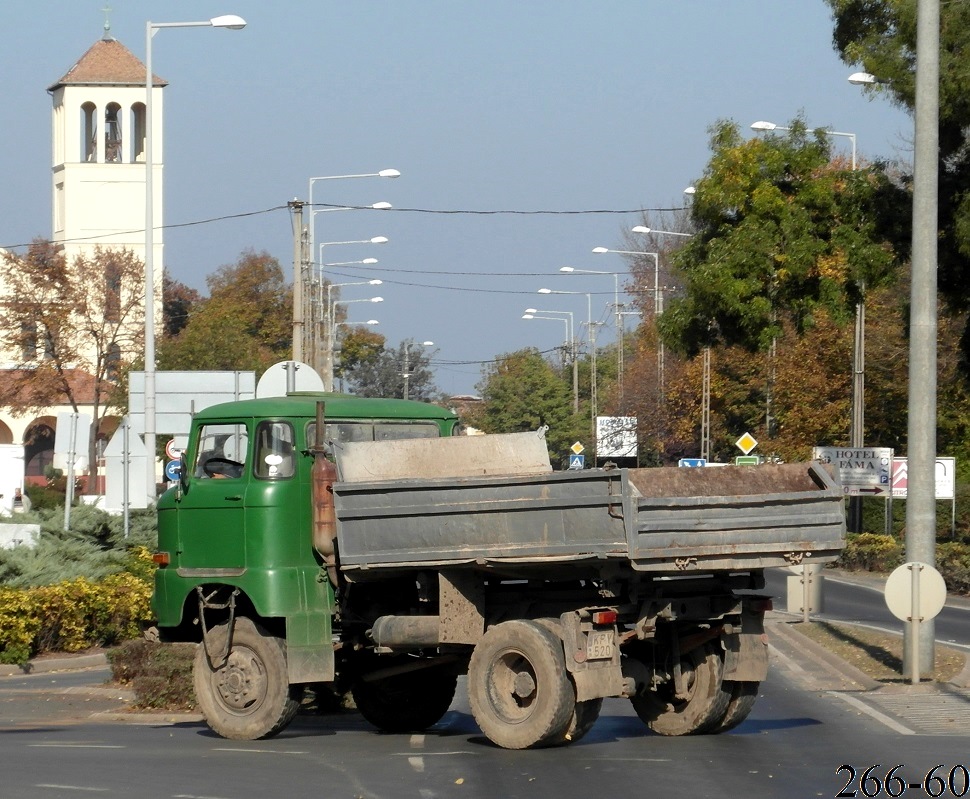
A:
(112, 134)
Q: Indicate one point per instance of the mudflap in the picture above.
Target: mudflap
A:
(593, 678)
(746, 649)
(309, 648)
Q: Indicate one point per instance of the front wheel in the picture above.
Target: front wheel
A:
(245, 694)
(702, 706)
(518, 686)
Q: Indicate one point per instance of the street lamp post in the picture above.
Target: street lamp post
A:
(645, 229)
(230, 22)
(298, 303)
(767, 127)
(320, 321)
(383, 173)
(658, 306)
(406, 373)
(530, 313)
(619, 318)
(591, 333)
(303, 246)
(332, 332)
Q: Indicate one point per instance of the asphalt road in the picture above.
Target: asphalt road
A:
(859, 599)
(812, 733)
(792, 745)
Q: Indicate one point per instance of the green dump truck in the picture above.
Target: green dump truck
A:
(358, 543)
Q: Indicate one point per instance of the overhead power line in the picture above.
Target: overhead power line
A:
(438, 211)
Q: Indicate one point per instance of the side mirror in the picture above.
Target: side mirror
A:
(183, 474)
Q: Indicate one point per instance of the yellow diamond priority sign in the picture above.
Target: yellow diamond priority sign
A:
(577, 448)
(746, 443)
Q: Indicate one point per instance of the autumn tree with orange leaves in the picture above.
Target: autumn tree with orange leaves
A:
(69, 327)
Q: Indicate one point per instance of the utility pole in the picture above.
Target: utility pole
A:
(296, 206)
(406, 374)
(921, 502)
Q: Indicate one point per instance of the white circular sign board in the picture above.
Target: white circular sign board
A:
(899, 591)
(273, 383)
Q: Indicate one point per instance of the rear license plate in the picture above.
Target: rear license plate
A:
(599, 645)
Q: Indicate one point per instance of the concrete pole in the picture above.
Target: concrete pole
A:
(296, 206)
(921, 499)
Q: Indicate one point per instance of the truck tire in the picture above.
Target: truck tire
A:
(518, 687)
(743, 697)
(407, 702)
(703, 708)
(246, 695)
(585, 713)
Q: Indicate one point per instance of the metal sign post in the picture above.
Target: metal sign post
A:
(915, 593)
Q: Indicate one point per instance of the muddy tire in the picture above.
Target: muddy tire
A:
(704, 706)
(245, 695)
(743, 697)
(518, 687)
(407, 702)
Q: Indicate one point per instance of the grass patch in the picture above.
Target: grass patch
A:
(877, 654)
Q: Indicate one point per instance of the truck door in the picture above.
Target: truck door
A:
(211, 512)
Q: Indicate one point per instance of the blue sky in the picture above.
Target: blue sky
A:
(511, 105)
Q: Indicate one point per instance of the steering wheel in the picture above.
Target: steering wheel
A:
(229, 468)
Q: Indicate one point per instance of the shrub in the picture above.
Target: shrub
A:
(871, 552)
(93, 548)
(953, 562)
(159, 674)
(72, 616)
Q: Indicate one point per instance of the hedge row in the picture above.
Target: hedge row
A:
(883, 553)
(72, 616)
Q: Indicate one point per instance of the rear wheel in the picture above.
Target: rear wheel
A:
(584, 717)
(703, 705)
(408, 702)
(518, 686)
(244, 694)
(743, 697)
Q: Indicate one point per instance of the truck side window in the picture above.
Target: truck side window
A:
(221, 451)
(275, 451)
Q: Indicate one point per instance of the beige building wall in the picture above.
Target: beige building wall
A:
(98, 188)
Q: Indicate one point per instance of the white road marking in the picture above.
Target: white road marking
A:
(869, 711)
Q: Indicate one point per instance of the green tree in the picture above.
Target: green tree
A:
(880, 35)
(244, 324)
(178, 300)
(781, 233)
(522, 391)
(359, 348)
(380, 372)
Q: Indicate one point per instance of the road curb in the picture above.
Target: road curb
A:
(962, 680)
(45, 665)
(787, 631)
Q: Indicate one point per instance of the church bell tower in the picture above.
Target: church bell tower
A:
(98, 170)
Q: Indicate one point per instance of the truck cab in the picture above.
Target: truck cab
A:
(234, 534)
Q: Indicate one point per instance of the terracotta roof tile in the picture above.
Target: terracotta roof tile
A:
(107, 63)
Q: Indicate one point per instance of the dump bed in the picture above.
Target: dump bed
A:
(662, 520)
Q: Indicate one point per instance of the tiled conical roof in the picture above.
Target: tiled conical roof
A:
(107, 63)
